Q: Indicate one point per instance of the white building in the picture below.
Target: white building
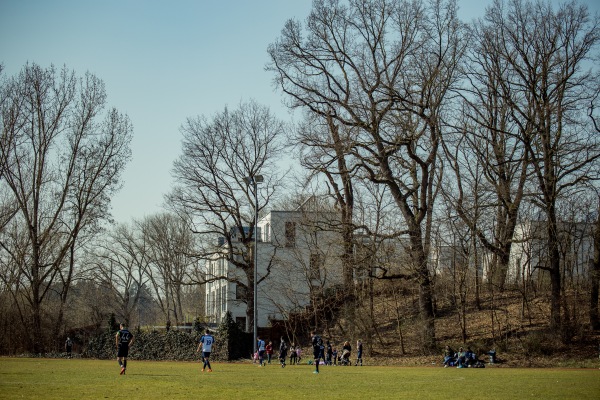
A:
(529, 251)
(298, 253)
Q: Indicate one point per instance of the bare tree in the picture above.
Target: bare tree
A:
(546, 88)
(595, 267)
(382, 69)
(595, 274)
(220, 156)
(489, 164)
(323, 153)
(60, 169)
(170, 249)
(120, 263)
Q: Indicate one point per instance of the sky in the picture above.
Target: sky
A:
(161, 62)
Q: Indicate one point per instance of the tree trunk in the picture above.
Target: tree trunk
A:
(595, 278)
(555, 278)
(425, 296)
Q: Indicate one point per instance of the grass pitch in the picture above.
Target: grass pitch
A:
(27, 378)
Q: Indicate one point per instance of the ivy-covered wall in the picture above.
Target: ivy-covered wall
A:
(171, 345)
(231, 343)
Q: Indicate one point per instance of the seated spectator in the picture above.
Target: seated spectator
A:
(492, 354)
(470, 357)
(461, 358)
(448, 357)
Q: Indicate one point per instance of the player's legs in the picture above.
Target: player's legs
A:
(122, 354)
(207, 362)
(261, 356)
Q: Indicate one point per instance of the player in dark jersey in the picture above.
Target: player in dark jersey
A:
(206, 343)
(282, 352)
(318, 350)
(123, 340)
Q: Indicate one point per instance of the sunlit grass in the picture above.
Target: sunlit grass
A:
(98, 379)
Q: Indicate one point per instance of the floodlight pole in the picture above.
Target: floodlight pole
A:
(254, 181)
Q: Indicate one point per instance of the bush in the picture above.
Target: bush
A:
(540, 343)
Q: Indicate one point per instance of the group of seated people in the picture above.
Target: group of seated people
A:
(461, 358)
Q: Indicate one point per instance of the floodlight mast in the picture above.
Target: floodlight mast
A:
(254, 181)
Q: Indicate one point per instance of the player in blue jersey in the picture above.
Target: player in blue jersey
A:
(261, 346)
(123, 340)
(206, 343)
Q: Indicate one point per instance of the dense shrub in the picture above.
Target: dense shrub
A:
(540, 343)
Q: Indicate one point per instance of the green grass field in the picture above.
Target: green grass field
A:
(27, 378)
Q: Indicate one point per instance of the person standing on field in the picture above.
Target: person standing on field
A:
(359, 350)
(206, 343)
(123, 340)
(318, 348)
(282, 352)
(68, 347)
(260, 345)
(293, 355)
(269, 351)
(329, 355)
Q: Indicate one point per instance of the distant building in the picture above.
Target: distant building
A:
(529, 252)
(299, 251)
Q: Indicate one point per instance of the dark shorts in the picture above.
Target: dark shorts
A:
(206, 354)
(123, 350)
(261, 353)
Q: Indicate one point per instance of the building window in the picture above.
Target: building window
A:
(240, 292)
(224, 299)
(290, 234)
(315, 267)
(221, 267)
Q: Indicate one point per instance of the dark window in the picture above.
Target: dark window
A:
(290, 234)
(315, 267)
(240, 292)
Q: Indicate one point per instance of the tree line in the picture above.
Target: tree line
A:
(421, 130)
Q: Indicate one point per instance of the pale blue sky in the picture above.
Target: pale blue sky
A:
(162, 62)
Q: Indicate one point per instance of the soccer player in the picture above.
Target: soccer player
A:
(260, 345)
(207, 341)
(282, 352)
(123, 340)
(318, 347)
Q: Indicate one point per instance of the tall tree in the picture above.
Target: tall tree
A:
(217, 189)
(323, 150)
(60, 169)
(382, 69)
(119, 263)
(170, 249)
(547, 88)
(488, 163)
